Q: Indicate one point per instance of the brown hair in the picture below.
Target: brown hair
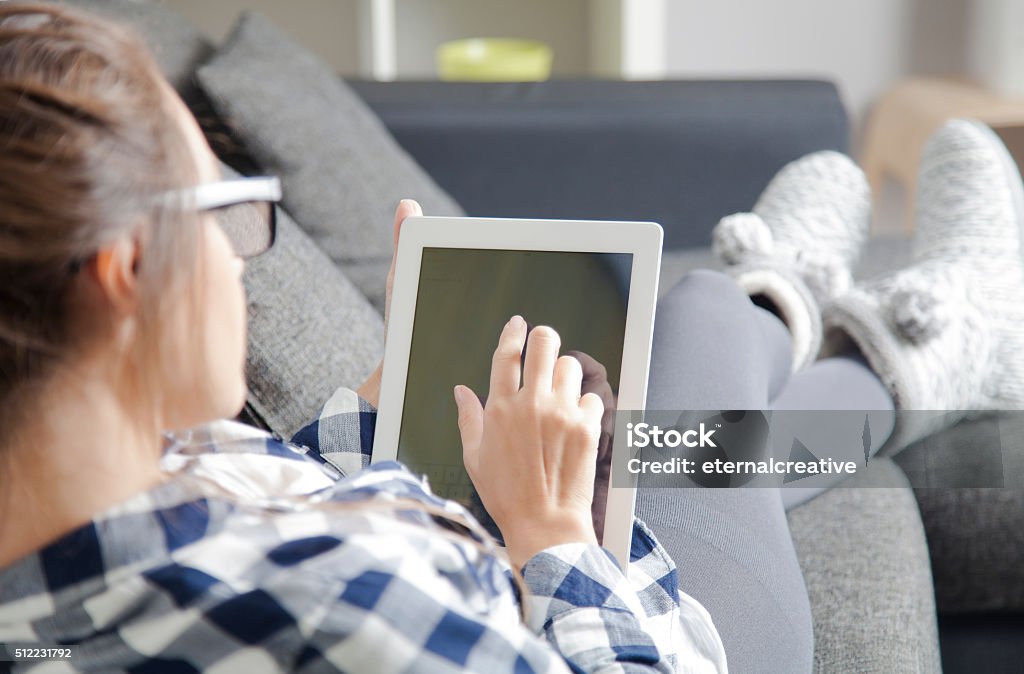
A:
(88, 146)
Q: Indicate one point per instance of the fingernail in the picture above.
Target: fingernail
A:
(516, 322)
(458, 395)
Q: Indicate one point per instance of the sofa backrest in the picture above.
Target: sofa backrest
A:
(681, 153)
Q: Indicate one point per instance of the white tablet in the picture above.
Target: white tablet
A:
(459, 280)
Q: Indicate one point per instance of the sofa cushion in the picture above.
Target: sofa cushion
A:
(863, 554)
(310, 330)
(343, 173)
(976, 537)
(973, 511)
(177, 45)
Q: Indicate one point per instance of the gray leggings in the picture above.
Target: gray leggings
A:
(733, 546)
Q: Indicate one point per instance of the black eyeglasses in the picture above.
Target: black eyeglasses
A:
(244, 209)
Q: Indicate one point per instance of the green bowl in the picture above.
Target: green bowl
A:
(494, 60)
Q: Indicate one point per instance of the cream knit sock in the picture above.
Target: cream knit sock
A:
(800, 242)
(948, 332)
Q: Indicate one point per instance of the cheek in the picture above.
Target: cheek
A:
(211, 359)
(226, 329)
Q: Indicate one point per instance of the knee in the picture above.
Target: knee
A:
(706, 287)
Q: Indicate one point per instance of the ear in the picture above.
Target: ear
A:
(114, 268)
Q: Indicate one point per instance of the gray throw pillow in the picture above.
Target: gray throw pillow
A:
(310, 330)
(343, 173)
(177, 45)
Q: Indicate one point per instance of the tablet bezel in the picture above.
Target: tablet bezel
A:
(641, 239)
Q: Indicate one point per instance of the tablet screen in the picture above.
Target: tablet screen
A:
(464, 298)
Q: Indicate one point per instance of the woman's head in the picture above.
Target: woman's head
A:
(97, 264)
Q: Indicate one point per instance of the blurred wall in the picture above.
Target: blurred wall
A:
(330, 27)
(424, 25)
(325, 26)
(864, 45)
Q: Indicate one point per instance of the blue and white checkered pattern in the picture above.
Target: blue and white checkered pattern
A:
(260, 556)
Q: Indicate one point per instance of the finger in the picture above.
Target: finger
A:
(505, 365)
(595, 379)
(406, 208)
(471, 425)
(568, 378)
(541, 354)
(593, 408)
(592, 368)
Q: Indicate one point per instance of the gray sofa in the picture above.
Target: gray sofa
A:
(684, 154)
(880, 564)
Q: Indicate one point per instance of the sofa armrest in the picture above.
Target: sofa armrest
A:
(682, 153)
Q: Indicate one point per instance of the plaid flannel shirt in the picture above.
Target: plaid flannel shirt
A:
(239, 563)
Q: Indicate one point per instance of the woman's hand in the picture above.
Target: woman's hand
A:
(532, 452)
(370, 389)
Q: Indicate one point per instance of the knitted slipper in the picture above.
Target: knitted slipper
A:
(800, 242)
(948, 332)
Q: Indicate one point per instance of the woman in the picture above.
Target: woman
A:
(122, 315)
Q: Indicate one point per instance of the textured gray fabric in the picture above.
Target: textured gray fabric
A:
(310, 330)
(343, 174)
(798, 245)
(976, 538)
(983, 451)
(976, 534)
(945, 333)
(178, 46)
(865, 563)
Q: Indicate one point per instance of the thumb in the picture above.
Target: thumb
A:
(406, 208)
(471, 425)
